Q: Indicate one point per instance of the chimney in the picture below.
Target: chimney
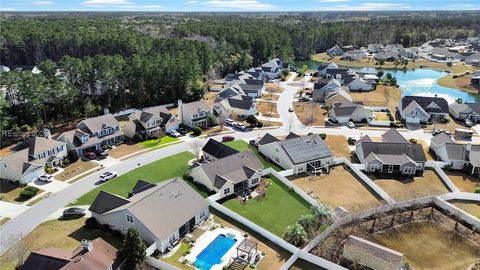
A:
(180, 110)
(47, 134)
(86, 245)
(106, 111)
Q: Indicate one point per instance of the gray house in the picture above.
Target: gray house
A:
(153, 121)
(394, 155)
(463, 111)
(418, 109)
(163, 213)
(335, 50)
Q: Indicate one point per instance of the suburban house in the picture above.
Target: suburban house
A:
(425, 48)
(353, 55)
(349, 111)
(152, 121)
(237, 106)
(335, 50)
(214, 150)
(194, 114)
(323, 67)
(231, 174)
(463, 111)
(323, 88)
(360, 84)
(460, 156)
(388, 56)
(96, 254)
(418, 109)
(374, 48)
(409, 53)
(339, 96)
(273, 68)
(252, 87)
(336, 73)
(181, 210)
(473, 59)
(443, 54)
(91, 133)
(372, 255)
(297, 153)
(475, 80)
(28, 159)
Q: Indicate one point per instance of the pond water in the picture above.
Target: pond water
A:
(419, 82)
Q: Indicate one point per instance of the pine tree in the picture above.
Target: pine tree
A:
(133, 250)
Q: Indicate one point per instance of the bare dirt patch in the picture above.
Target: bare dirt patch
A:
(339, 188)
(209, 97)
(338, 145)
(305, 110)
(466, 183)
(268, 109)
(403, 188)
(383, 95)
(75, 169)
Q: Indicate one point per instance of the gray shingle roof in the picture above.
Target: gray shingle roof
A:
(442, 138)
(393, 136)
(266, 139)
(36, 145)
(94, 124)
(424, 102)
(305, 149)
(412, 150)
(456, 151)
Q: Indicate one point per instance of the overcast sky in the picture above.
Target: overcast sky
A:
(235, 5)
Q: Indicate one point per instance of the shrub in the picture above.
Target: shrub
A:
(196, 131)
(137, 137)
(49, 170)
(25, 195)
(91, 223)
(104, 227)
(117, 143)
(32, 189)
(66, 161)
(72, 156)
(477, 190)
(260, 124)
(323, 136)
(187, 177)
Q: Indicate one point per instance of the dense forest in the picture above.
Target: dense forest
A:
(138, 60)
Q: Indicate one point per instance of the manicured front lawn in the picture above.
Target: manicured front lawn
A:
(241, 145)
(157, 142)
(279, 209)
(158, 171)
(62, 234)
(10, 192)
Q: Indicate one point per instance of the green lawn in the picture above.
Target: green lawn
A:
(279, 209)
(158, 142)
(173, 259)
(158, 171)
(241, 145)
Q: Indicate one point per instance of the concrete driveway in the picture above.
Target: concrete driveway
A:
(52, 187)
(11, 210)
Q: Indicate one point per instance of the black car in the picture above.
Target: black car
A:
(74, 212)
(351, 140)
(182, 131)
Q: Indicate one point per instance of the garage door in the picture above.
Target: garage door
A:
(32, 175)
(413, 120)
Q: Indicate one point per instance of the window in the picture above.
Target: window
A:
(226, 191)
(408, 170)
(202, 214)
(123, 229)
(277, 159)
(172, 238)
(195, 115)
(130, 218)
(374, 167)
(254, 181)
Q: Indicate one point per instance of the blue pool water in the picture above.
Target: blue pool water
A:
(214, 252)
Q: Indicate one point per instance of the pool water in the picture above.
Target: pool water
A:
(214, 252)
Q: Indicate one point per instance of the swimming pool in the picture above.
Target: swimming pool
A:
(214, 252)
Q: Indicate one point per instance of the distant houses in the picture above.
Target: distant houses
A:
(393, 155)
(335, 51)
(162, 213)
(465, 111)
(297, 153)
(418, 109)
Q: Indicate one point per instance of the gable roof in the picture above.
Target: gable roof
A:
(37, 145)
(267, 138)
(218, 149)
(106, 201)
(291, 135)
(441, 138)
(412, 150)
(94, 124)
(196, 106)
(427, 103)
(241, 102)
(393, 136)
(305, 149)
(456, 151)
(20, 162)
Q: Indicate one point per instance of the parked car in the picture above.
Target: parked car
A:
(290, 109)
(45, 178)
(90, 155)
(102, 154)
(174, 133)
(240, 126)
(107, 176)
(350, 124)
(304, 99)
(230, 122)
(412, 140)
(351, 140)
(74, 212)
(227, 138)
(182, 131)
(468, 123)
(253, 142)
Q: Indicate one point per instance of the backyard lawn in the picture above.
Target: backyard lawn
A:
(463, 182)
(382, 96)
(339, 188)
(409, 188)
(473, 208)
(279, 209)
(158, 171)
(241, 145)
(303, 110)
(63, 234)
(430, 246)
(130, 148)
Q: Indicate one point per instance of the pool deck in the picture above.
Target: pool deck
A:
(206, 238)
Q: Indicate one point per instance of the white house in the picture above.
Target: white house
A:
(273, 68)
(359, 84)
(153, 121)
(238, 106)
(233, 174)
(194, 114)
(418, 109)
(349, 111)
(300, 154)
(163, 214)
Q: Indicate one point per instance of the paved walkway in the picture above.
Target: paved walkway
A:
(11, 210)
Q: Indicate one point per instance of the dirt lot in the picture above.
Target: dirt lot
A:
(273, 87)
(430, 246)
(275, 256)
(75, 169)
(303, 110)
(338, 145)
(339, 188)
(125, 149)
(209, 97)
(270, 96)
(466, 183)
(408, 188)
(472, 208)
(382, 96)
(268, 109)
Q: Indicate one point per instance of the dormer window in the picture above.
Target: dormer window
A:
(84, 138)
(130, 218)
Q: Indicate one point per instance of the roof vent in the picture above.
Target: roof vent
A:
(86, 245)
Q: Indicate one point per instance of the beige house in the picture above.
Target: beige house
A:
(340, 96)
(153, 121)
(194, 114)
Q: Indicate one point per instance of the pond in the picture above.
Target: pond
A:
(418, 82)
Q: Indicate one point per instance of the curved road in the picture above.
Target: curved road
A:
(19, 226)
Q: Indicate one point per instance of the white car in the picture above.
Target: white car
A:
(107, 176)
(45, 178)
(230, 122)
(240, 126)
(350, 124)
(175, 133)
(468, 123)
